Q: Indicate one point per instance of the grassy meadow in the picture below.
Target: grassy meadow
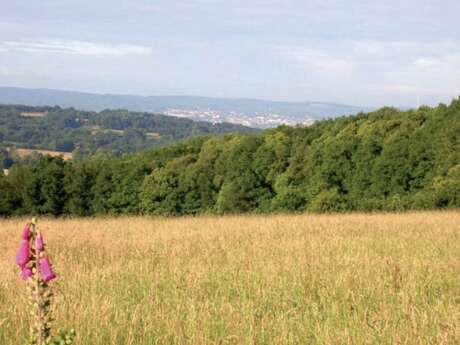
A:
(305, 279)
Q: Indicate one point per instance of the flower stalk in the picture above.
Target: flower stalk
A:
(37, 271)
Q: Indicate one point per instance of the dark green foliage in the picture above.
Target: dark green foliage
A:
(78, 180)
(387, 160)
(164, 191)
(102, 188)
(6, 160)
(12, 190)
(329, 200)
(44, 191)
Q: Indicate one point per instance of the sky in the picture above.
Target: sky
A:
(359, 52)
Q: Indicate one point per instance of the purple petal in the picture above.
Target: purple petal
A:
(26, 233)
(26, 273)
(45, 269)
(39, 242)
(23, 255)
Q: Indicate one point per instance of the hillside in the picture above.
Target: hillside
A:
(249, 112)
(384, 160)
(112, 131)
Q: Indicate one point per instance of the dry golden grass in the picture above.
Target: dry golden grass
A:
(323, 279)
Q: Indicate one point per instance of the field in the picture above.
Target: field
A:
(306, 279)
(27, 152)
(33, 114)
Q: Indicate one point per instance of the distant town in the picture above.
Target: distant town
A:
(257, 120)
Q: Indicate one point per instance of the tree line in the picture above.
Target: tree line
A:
(387, 160)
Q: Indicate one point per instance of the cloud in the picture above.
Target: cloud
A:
(316, 59)
(4, 71)
(380, 70)
(75, 48)
(7, 72)
(355, 52)
(426, 62)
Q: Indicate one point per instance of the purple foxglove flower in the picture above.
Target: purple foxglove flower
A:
(39, 242)
(26, 273)
(26, 233)
(23, 255)
(45, 269)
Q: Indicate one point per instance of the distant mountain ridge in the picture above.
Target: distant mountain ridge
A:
(249, 112)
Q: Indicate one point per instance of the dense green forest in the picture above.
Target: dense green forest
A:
(85, 133)
(384, 160)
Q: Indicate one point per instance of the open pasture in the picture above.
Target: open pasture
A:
(27, 152)
(304, 279)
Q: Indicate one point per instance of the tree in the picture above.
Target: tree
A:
(78, 181)
(45, 192)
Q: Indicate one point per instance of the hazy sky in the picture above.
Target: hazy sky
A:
(358, 52)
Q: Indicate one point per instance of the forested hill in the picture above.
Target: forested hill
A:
(384, 160)
(114, 131)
